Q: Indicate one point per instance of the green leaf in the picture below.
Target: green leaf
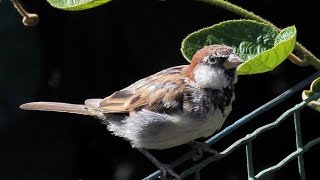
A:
(314, 88)
(266, 61)
(76, 5)
(259, 45)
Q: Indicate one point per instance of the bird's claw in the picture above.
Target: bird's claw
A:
(167, 170)
(201, 147)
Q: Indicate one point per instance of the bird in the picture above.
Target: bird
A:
(172, 107)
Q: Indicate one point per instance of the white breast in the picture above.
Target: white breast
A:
(215, 120)
(152, 130)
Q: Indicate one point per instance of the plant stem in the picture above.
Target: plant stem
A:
(19, 8)
(308, 59)
(29, 19)
(296, 60)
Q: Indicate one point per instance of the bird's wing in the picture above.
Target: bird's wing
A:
(150, 93)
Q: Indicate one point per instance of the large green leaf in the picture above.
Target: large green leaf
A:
(314, 88)
(259, 45)
(76, 5)
(271, 58)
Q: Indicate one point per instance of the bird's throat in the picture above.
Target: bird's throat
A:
(210, 77)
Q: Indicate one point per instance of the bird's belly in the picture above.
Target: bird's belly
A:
(160, 131)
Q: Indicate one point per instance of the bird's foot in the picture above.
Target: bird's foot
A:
(166, 169)
(201, 147)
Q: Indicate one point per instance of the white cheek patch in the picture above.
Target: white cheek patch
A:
(208, 77)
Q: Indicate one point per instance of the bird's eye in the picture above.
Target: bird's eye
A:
(212, 60)
(217, 59)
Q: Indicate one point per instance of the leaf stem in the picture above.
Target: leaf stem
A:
(296, 60)
(29, 19)
(308, 59)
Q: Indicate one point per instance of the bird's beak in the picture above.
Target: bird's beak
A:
(232, 62)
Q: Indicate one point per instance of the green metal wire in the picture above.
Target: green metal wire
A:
(197, 175)
(239, 123)
(253, 135)
(247, 140)
(289, 158)
(250, 168)
(297, 127)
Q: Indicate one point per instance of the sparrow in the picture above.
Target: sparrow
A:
(172, 107)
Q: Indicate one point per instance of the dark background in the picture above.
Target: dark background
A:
(72, 56)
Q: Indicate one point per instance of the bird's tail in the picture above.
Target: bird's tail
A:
(64, 107)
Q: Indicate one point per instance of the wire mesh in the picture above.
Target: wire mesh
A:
(247, 140)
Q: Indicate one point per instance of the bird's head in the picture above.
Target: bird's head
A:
(214, 67)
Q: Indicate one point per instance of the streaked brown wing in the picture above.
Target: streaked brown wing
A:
(149, 93)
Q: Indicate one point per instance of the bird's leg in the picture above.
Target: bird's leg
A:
(201, 147)
(164, 168)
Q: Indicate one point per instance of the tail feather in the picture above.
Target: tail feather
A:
(61, 107)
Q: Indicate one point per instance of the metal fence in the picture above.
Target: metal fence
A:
(247, 140)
